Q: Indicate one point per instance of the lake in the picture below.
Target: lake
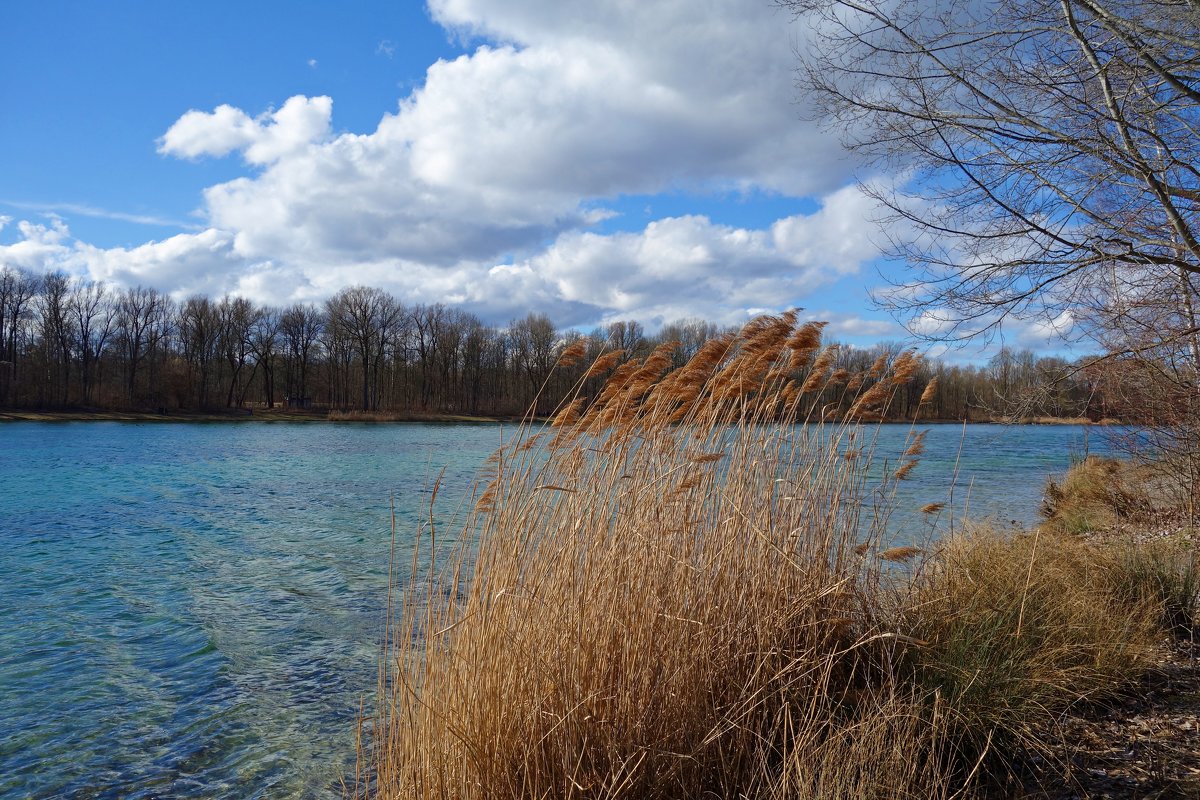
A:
(194, 610)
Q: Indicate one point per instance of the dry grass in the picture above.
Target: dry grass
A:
(1099, 494)
(671, 593)
(1103, 496)
(1164, 572)
(1015, 630)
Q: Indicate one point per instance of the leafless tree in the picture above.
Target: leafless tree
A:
(91, 308)
(1034, 158)
(264, 339)
(141, 313)
(57, 336)
(200, 338)
(426, 326)
(691, 334)
(17, 290)
(629, 336)
(1048, 150)
(364, 316)
(301, 327)
(533, 339)
(236, 318)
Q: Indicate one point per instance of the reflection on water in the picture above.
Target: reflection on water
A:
(193, 610)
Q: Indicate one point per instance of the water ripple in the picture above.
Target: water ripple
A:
(193, 610)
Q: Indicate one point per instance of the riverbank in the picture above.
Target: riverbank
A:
(1146, 742)
(303, 415)
(241, 415)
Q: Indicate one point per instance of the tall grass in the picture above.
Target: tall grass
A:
(674, 592)
(1098, 493)
(1016, 630)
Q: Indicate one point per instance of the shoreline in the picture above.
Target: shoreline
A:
(383, 417)
(239, 416)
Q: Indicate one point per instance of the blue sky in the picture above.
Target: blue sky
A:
(599, 161)
(90, 87)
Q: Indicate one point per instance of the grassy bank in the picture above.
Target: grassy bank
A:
(668, 595)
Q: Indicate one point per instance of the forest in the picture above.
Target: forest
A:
(73, 344)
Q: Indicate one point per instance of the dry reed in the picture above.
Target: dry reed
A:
(665, 603)
(671, 599)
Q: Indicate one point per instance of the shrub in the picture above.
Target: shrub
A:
(1017, 629)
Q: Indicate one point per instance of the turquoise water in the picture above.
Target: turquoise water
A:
(194, 610)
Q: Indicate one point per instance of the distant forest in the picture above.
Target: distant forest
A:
(72, 344)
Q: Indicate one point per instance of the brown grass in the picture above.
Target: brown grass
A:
(1015, 630)
(673, 596)
(1099, 493)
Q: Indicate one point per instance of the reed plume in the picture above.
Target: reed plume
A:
(573, 352)
(604, 363)
(671, 600)
(930, 392)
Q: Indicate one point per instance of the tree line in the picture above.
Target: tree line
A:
(70, 343)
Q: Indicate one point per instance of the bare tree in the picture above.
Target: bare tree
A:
(301, 327)
(57, 335)
(91, 307)
(237, 316)
(533, 348)
(17, 290)
(200, 337)
(1050, 151)
(364, 316)
(691, 334)
(427, 330)
(140, 311)
(1039, 159)
(629, 336)
(264, 338)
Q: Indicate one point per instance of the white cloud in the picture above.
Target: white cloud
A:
(852, 325)
(38, 247)
(506, 148)
(687, 266)
(484, 184)
(84, 210)
(262, 140)
(674, 267)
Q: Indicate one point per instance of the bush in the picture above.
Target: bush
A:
(1017, 629)
(1097, 493)
(1164, 573)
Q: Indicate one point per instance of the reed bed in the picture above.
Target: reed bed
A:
(677, 591)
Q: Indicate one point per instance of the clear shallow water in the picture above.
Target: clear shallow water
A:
(194, 610)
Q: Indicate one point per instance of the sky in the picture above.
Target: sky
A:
(613, 159)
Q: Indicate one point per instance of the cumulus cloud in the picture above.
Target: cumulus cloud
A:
(525, 137)
(689, 266)
(262, 140)
(483, 186)
(672, 268)
(38, 246)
